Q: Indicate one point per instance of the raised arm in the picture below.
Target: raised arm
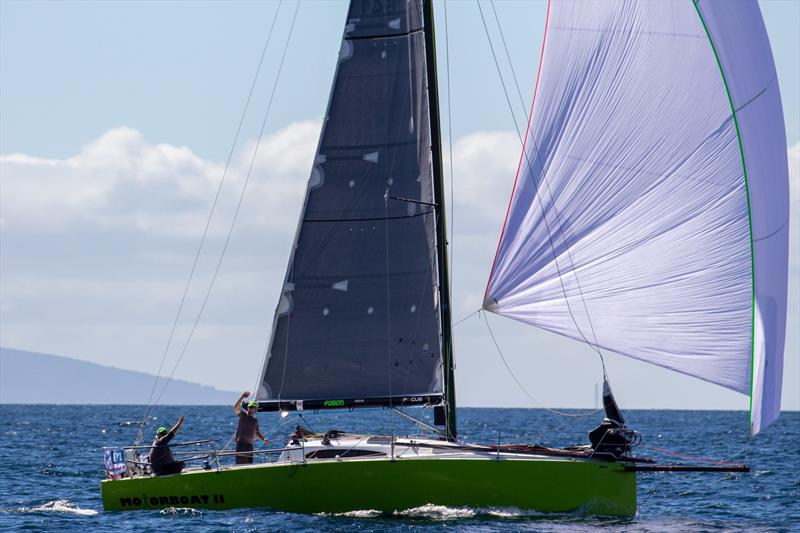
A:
(177, 425)
(237, 407)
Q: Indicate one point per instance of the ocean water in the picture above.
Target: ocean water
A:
(51, 468)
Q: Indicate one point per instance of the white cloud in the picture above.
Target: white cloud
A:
(485, 164)
(484, 167)
(122, 181)
(282, 166)
(96, 248)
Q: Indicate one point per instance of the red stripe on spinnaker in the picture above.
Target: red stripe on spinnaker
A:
(522, 154)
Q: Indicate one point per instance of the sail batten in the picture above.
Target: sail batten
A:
(654, 163)
(358, 321)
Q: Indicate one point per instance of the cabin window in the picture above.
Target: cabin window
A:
(330, 454)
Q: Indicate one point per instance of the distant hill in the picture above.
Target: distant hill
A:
(29, 377)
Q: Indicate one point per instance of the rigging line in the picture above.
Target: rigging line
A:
(694, 457)
(653, 491)
(239, 203)
(306, 421)
(230, 439)
(264, 354)
(211, 213)
(508, 57)
(595, 346)
(386, 228)
(273, 430)
(499, 72)
(450, 146)
(522, 388)
(467, 317)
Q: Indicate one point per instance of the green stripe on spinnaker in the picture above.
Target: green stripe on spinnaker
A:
(749, 216)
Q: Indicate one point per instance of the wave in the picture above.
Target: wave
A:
(361, 513)
(437, 512)
(440, 513)
(53, 506)
(180, 511)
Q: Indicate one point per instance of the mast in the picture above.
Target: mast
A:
(441, 230)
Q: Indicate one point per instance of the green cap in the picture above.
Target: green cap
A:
(252, 404)
(162, 429)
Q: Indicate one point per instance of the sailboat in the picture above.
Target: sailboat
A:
(649, 217)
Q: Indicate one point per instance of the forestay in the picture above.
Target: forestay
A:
(358, 318)
(650, 211)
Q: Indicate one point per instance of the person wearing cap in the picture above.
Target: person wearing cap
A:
(161, 460)
(247, 430)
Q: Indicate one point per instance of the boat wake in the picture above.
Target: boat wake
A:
(180, 511)
(54, 506)
(361, 513)
(443, 512)
(440, 513)
(437, 512)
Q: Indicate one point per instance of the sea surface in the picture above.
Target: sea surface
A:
(51, 466)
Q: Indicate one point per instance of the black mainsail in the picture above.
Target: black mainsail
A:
(363, 317)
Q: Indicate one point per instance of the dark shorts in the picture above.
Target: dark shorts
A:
(168, 468)
(244, 458)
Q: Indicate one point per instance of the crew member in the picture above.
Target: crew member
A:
(247, 430)
(161, 460)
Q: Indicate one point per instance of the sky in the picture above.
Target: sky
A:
(116, 121)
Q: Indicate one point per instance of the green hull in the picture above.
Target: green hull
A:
(591, 487)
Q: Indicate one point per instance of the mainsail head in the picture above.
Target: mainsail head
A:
(650, 212)
(358, 321)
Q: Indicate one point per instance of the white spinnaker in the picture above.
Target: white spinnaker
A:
(630, 221)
